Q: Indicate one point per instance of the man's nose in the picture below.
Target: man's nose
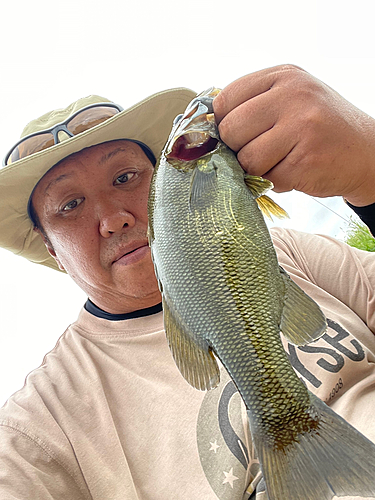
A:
(115, 220)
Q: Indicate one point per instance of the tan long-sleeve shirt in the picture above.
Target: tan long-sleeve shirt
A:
(108, 415)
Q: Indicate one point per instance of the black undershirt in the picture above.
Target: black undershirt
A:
(366, 214)
(99, 313)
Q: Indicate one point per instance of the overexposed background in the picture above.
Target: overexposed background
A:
(52, 53)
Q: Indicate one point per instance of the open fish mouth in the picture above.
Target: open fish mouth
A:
(192, 145)
(194, 133)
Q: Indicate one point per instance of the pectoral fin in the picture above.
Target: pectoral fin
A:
(302, 319)
(202, 182)
(258, 186)
(196, 363)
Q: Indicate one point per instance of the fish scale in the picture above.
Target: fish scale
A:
(225, 295)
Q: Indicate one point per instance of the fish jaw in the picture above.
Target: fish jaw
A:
(194, 133)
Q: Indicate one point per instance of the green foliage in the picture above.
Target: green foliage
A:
(359, 236)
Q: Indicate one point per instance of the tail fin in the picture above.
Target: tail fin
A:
(334, 460)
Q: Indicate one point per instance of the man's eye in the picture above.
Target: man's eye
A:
(124, 178)
(72, 204)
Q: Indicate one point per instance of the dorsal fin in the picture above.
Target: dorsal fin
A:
(258, 186)
(302, 320)
(270, 208)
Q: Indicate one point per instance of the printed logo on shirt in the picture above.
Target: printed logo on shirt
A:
(325, 364)
(223, 439)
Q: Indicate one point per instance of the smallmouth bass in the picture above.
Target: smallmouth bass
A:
(225, 295)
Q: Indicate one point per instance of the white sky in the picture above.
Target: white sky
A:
(53, 53)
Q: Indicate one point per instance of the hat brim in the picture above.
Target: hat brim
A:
(149, 121)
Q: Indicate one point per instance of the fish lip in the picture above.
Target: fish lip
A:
(206, 129)
(125, 250)
(199, 119)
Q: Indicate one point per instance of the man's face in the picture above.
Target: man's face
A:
(93, 208)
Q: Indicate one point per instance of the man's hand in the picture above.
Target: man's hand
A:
(294, 130)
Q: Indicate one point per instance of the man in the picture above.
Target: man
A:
(108, 415)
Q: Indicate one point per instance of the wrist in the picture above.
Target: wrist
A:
(360, 164)
(361, 199)
(364, 193)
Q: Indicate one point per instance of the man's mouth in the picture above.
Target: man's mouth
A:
(132, 256)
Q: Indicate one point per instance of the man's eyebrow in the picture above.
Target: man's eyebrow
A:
(58, 179)
(110, 155)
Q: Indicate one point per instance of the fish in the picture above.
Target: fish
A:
(225, 297)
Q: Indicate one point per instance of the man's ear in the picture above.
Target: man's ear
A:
(49, 247)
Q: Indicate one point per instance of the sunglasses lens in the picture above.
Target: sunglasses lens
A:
(84, 120)
(30, 146)
(89, 118)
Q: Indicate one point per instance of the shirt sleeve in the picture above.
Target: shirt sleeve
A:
(27, 471)
(343, 271)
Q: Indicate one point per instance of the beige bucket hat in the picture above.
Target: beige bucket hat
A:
(149, 121)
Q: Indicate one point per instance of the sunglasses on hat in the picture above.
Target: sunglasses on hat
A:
(79, 122)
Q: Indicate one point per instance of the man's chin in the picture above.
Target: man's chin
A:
(134, 301)
(139, 285)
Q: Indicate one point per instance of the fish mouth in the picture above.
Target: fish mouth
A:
(194, 133)
(192, 146)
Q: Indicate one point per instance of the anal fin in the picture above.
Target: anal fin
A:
(196, 363)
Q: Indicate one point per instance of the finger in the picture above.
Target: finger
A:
(297, 171)
(262, 155)
(250, 119)
(248, 87)
(240, 91)
(283, 175)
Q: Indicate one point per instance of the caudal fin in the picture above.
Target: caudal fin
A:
(335, 459)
